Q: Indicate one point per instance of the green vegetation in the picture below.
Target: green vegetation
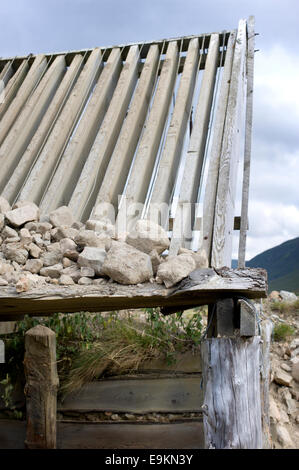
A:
(282, 331)
(285, 307)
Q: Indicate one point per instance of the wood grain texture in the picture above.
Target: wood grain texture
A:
(225, 200)
(41, 387)
(232, 405)
(196, 289)
(247, 145)
(265, 366)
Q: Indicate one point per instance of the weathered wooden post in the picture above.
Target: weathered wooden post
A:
(41, 388)
(231, 373)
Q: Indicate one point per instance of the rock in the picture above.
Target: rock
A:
(295, 371)
(49, 258)
(87, 271)
(72, 255)
(90, 238)
(73, 272)
(67, 244)
(175, 269)
(273, 410)
(200, 257)
(98, 281)
(52, 271)
(101, 226)
(34, 250)
(85, 281)
(1, 221)
(78, 225)
(282, 378)
(4, 205)
(274, 296)
(148, 236)
(9, 232)
(288, 296)
(64, 232)
(15, 252)
(21, 215)
(285, 367)
(66, 262)
(3, 282)
(26, 282)
(92, 257)
(126, 265)
(156, 260)
(33, 265)
(294, 344)
(61, 217)
(283, 437)
(66, 280)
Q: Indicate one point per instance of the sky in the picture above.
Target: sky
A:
(33, 26)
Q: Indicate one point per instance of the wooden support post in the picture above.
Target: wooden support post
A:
(232, 405)
(41, 387)
(266, 332)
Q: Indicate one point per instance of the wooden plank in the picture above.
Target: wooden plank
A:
(87, 187)
(41, 387)
(42, 170)
(13, 86)
(121, 159)
(27, 122)
(165, 395)
(141, 172)
(14, 184)
(32, 78)
(212, 177)
(171, 153)
(225, 200)
(6, 74)
(194, 290)
(247, 147)
(225, 317)
(185, 212)
(265, 366)
(7, 327)
(68, 171)
(248, 321)
(111, 436)
(232, 406)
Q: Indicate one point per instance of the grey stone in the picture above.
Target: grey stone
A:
(295, 371)
(64, 232)
(66, 280)
(33, 265)
(3, 282)
(34, 250)
(288, 296)
(15, 252)
(175, 269)
(85, 281)
(148, 236)
(21, 215)
(61, 217)
(87, 271)
(126, 265)
(90, 238)
(92, 257)
(8, 232)
(101, 226)
(200, 257)
(4, 205)
(51, 258)
(67, 244)
(73, 272)
(52, 271)
(1, 221)
(282, 378)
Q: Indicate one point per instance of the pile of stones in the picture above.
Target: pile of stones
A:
(60, 250)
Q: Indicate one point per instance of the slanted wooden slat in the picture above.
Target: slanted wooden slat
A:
(247, 148)
(119, 165)
(73, 159)
(14, 184)
(184, 219)
(94, 168)
(6, 73)
(213, 170)
(34, 75)
(26, 123)
(13, 85)
(144, 162)
(170, 157)
(225, 200)
(41, 172)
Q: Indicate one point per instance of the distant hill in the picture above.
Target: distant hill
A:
(282, 265)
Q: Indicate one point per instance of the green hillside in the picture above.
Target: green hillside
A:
(282, 265)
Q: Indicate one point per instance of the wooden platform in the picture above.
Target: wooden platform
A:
(201, 287)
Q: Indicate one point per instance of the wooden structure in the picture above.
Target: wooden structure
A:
(163, 125)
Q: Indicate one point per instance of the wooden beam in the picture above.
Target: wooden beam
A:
(247, 148)
(266, 327)
(232, 404)
(199, 288)
(41, 387)
(13, 86)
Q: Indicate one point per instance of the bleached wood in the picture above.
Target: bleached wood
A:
(6, 73)
(247, 145)
(266, 327)
(198, 288)
(144, 162)
(44, 165)
(170, 157)
(35, 73)
(72, 161)
(26, 123)
(87, 187)
(41, 388)
(225, 200)
(213, 170)
(18, 177)
(119, 165)
(232, 404)
(13, 85)
(184, 219)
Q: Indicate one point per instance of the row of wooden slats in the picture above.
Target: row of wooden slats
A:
(79, 133)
